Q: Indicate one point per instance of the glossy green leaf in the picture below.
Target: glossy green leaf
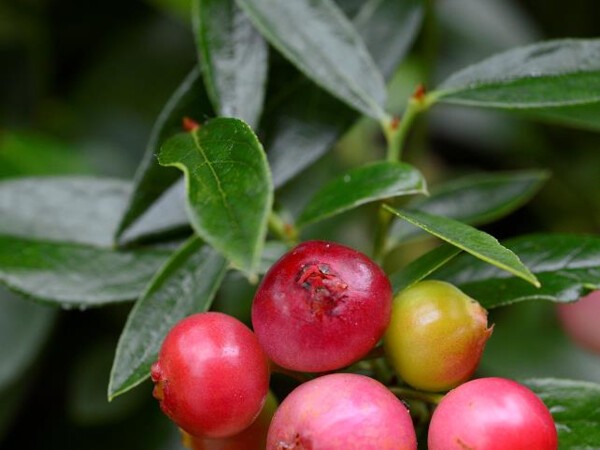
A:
(74, 274)
(375, 181)
(469, 239)
(574, 407)
(475, 199)
(152, 180)
(544, 75)
(320, 41)
(24, 328)
(185, 284)
(567, 266)
(423, 266)
(234, 59)
(229, 188)
(304, 121)
(75, 209)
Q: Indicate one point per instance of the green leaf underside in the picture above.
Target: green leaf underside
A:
(544, 75)
(229, 189)
(234, 59)
(84, 210)
(186, 284)
(567, 266)
(304, 122)
(24, 328)
(369, 183)
(423, 267)
(584, 116)
(475, 199)
(151, 179)
(388, 28)
(318, 39)
(574, 407)
(469, 239)
(75, 275)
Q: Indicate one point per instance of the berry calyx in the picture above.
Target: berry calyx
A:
(436, 335)
(321, 307)
(492, 414)
(211, 377)
(341, 411)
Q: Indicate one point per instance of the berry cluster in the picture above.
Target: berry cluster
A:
(324, 307)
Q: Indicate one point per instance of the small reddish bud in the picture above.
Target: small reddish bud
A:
(420, 92)
(190, 124)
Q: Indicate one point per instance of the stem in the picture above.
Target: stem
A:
(416, 395)
(283, 230)
(383, 226)
(396, 130)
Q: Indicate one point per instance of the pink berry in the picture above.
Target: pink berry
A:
(321, 307)
(580, 321)
(211, 377)
(341, 411)
(492, 414)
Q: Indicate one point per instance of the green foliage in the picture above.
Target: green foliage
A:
(186, 284)
(567, 265)
(234, 59)
(475, 199)
(473, 241)
(545, 75)
(326, 48)
(274, 89)
(229, 188)
(377, 181)
(574, 406)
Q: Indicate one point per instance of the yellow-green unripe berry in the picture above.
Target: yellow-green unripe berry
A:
(436, 335)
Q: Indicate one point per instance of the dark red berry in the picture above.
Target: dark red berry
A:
(321, 307)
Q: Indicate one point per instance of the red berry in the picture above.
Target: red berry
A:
(492, 414)
(211, 376)
(341, 411)
(322, 306)
(580, 321)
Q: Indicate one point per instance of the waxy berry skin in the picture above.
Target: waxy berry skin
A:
(321, 307)
(341, 411)
(436, 335)
(211, 377)
(492, 414)
(580, 321)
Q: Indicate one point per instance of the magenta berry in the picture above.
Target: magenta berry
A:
(322, 306)
(211, 377)
(341, 411)
(492, 414)
(580, 321)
